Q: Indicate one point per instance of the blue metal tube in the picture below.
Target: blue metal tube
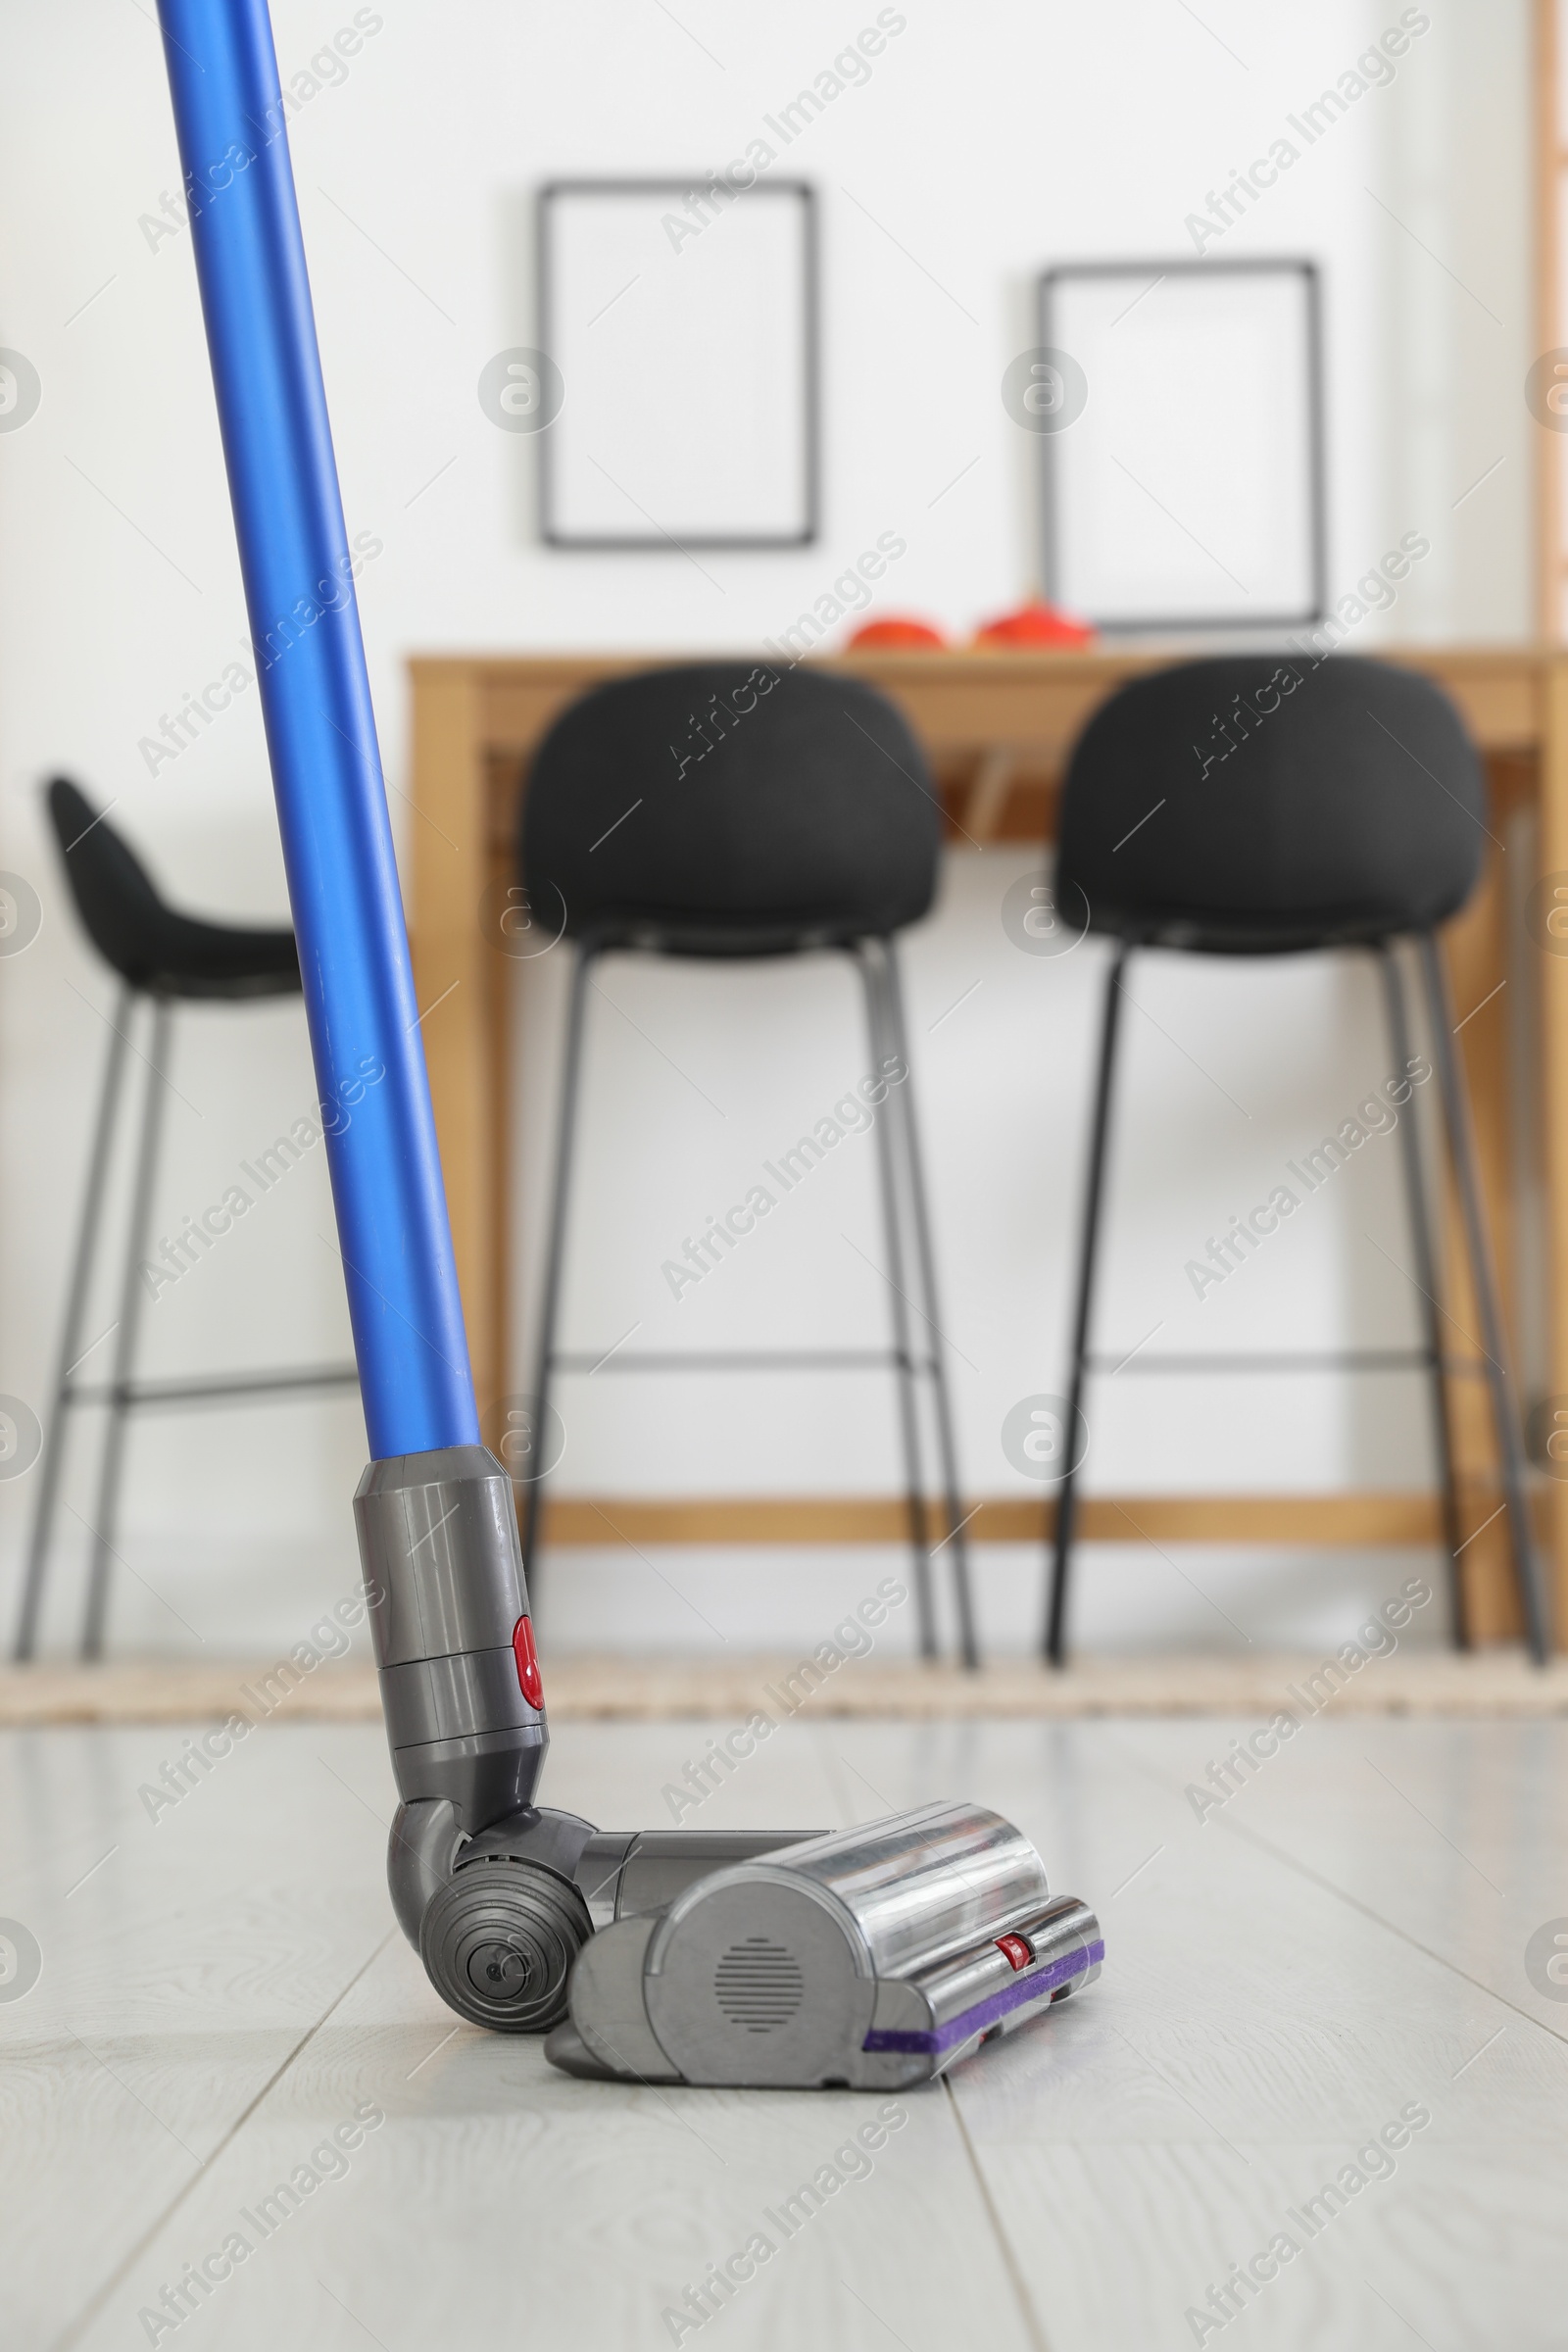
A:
(392, 1222)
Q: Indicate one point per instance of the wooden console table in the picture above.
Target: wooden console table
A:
(997, 728)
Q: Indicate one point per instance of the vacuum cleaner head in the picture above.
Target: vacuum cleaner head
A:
(868, 1958)
(865, 1960)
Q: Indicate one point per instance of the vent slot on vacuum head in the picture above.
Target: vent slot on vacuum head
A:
(758, 1984)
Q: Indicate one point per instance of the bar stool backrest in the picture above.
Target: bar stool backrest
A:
(1259, 805)
(120, 906)
(730, 809)
(151, 944)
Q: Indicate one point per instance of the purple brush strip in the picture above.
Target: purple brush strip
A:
(985, 2013)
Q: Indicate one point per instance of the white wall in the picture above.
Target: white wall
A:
(991, 141)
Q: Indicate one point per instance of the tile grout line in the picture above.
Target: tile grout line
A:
(1340, 1894)
(1010, 2262)
(1390, 1927)
(830, 1765)
(75, 2327)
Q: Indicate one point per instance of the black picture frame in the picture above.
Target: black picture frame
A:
(656, 540)
(1053, 453)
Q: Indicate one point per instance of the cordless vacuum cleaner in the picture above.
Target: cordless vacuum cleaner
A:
(872, 1958)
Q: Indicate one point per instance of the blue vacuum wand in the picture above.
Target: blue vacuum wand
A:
(500, 1895)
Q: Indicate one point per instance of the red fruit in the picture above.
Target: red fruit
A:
(896, 632)
(1035, 623)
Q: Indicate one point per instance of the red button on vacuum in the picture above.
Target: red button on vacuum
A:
(529, 1676)
(1016, 1950)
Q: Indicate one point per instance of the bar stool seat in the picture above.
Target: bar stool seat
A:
(1249, 805)
(163, 957)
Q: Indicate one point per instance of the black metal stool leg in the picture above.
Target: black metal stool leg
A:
(1066, 1492)
(908, 1127)
(555, 1251)
(1510, 1443)
(131, 1298)
(1426, 1275)
(54, 1449)
(879, 1032)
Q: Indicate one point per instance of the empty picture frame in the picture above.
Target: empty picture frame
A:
(683, 317)
(1188, 493)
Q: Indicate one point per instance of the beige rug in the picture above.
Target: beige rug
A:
(1489, 1682)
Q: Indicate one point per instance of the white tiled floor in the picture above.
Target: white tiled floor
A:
(1341, 1940)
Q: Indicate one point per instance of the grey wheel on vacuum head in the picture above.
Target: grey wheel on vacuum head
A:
(498, 1942)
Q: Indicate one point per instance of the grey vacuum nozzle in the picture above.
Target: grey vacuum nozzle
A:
(869, 1959)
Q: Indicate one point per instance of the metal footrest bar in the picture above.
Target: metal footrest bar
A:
(1331, 1359)
(777, 1359)
(132, 1392)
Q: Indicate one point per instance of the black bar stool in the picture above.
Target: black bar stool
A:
(163, 959)
(1253, 807)
(724, 811)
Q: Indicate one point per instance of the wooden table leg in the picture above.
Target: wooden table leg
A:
(1475, 950)
(457, 989)
(1545, 916)
(988, 795)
